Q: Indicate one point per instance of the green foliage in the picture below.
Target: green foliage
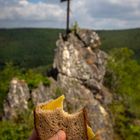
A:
(119, 38)
(122, 69)
(17, 129)
(75, 27)
(123, 120)
(33, 79)
(28, 48)
(123, 78)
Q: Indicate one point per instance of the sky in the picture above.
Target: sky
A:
(93, 14)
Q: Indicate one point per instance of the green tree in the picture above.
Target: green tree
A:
(123, 78)
(34, 78)
(19, 129)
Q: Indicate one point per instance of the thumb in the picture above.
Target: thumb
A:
(60, 135)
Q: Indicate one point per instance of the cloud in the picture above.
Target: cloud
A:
(110, 13)
(112, 9)
(23, 2)
(31, 11)
(101, 14)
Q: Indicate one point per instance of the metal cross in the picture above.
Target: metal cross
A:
(68, 15)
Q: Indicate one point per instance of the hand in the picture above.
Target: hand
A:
(60, 135)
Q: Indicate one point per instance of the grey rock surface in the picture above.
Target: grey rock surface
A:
(17, 99)
(20, 98)
(81, 70)
(43, 93)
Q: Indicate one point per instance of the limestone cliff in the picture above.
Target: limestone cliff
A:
(81, 69)
(17, 99)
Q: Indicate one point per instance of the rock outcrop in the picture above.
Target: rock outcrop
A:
(81, 69)
(80, 66)
(17, 99)
(43, 93)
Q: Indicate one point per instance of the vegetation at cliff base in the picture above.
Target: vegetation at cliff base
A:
(32, 77)
(19, 129)
(123, 79)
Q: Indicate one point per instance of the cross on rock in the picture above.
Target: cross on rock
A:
(68, 15)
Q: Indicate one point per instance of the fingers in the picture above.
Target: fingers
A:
(59, 136)
(34, 136)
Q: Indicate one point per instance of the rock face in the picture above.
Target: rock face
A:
(81, 69)
(42, 93)
(80, 66)
(20, 98)
(17, 99)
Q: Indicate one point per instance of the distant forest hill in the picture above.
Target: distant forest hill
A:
(30, 48)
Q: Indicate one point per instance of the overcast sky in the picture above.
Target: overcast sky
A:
(95, 14)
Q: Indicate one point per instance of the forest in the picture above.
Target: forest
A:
(28, 54)
(30, 48)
